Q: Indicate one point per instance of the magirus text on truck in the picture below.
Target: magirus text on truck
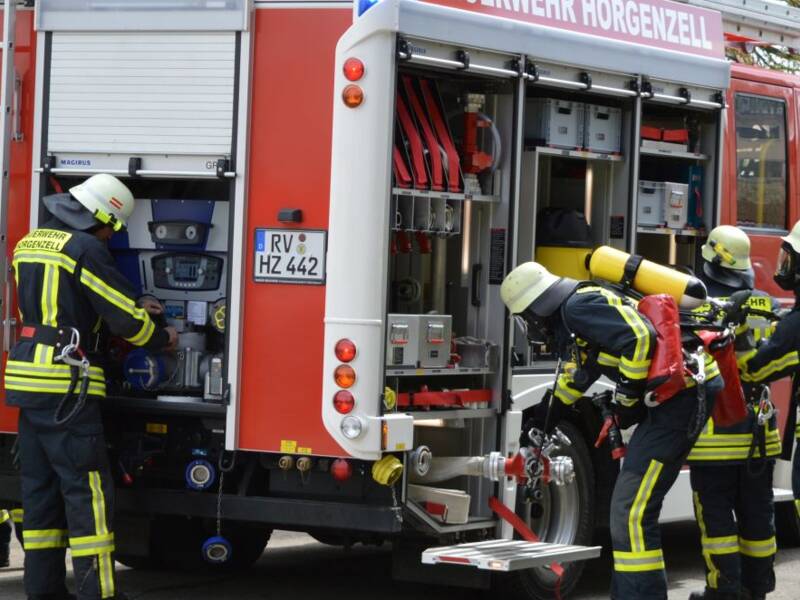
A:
(328, 198)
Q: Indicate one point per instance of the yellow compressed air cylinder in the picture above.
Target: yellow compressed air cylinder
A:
(564, 261)
(651, 278)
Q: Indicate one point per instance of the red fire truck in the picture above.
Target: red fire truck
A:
(328, 197)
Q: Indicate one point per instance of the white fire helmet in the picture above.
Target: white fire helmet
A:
(524, 285)
(107, 198)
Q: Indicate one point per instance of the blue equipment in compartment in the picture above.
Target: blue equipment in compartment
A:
(144, 370)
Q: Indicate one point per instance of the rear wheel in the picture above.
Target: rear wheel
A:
(565, 515)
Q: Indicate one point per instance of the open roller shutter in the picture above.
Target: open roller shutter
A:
(161, 96)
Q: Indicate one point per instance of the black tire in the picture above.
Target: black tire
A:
(176, 544)
(540, 583)
(787, 524)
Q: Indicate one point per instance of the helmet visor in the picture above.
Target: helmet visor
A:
(786, 264)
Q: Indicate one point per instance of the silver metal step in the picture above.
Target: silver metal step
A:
(507, 555)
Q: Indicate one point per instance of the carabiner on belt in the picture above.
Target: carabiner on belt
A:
(79, 367)
(766, 409)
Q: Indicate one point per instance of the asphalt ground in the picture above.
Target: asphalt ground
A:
(295, 567)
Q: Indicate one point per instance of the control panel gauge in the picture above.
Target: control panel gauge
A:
(177, 232)
(187, 271)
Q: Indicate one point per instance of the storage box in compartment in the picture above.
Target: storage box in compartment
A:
(676, 204)
(551, 122)
(650, 204)
(418, 341)
(602, 129)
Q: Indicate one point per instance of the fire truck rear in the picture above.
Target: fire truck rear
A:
(346, 367)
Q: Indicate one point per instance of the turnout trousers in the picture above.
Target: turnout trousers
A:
(736, 516)
(67, 496)
(656, 453)
(796, 477)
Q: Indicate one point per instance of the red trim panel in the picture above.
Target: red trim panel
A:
(21, 169)
(281, 376)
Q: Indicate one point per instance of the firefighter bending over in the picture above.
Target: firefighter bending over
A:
(607, 326)
(779, 356)
(66, 282)
(731, 479)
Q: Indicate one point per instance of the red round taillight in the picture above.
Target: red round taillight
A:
(353, 69)
(345, 350)
(345, 376)
(352, 96)
(343, 402)
(341, 470)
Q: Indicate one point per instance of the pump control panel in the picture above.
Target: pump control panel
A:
(202, 272)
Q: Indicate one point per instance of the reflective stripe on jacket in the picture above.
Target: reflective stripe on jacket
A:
(68, 278)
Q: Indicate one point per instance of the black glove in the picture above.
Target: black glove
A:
(628, 392)
(628, 416)
(736, 309)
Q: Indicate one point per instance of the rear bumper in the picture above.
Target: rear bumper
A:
(277, 512)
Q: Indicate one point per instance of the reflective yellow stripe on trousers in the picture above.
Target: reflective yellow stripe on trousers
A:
(639, 559)
(44, 539)
(103, 539)
(639, 506)
(712, 579)
(637, 562)
(758, 548)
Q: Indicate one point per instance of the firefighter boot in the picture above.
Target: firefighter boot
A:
(4, 555)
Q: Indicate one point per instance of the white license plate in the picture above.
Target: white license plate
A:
(290, 256)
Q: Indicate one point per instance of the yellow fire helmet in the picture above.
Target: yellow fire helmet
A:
(728, 247)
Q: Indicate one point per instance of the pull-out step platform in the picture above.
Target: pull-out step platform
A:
(507, 555)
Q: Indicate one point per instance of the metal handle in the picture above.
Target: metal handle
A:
(475, 295)
(9, 322)
(17, 135)
(456, 64)
(139, 172)
(579, 85)
(681, 100)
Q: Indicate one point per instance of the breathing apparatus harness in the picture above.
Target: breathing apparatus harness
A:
(734, 313)
(67, 340)
(691, 353)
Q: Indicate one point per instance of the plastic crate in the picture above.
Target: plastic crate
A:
(602, 129)
(551, 122)
(676, 204)
(650, 204)
(651, 133)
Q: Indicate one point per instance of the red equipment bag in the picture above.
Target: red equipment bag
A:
(730, 406)
(666, 375)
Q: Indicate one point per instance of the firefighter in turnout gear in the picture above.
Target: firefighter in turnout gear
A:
(779, 356)
(7, 517)
(605, 324)
(67, 283)
(5, 537)
(731, 468)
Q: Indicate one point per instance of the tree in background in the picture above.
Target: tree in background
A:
(779, 58)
